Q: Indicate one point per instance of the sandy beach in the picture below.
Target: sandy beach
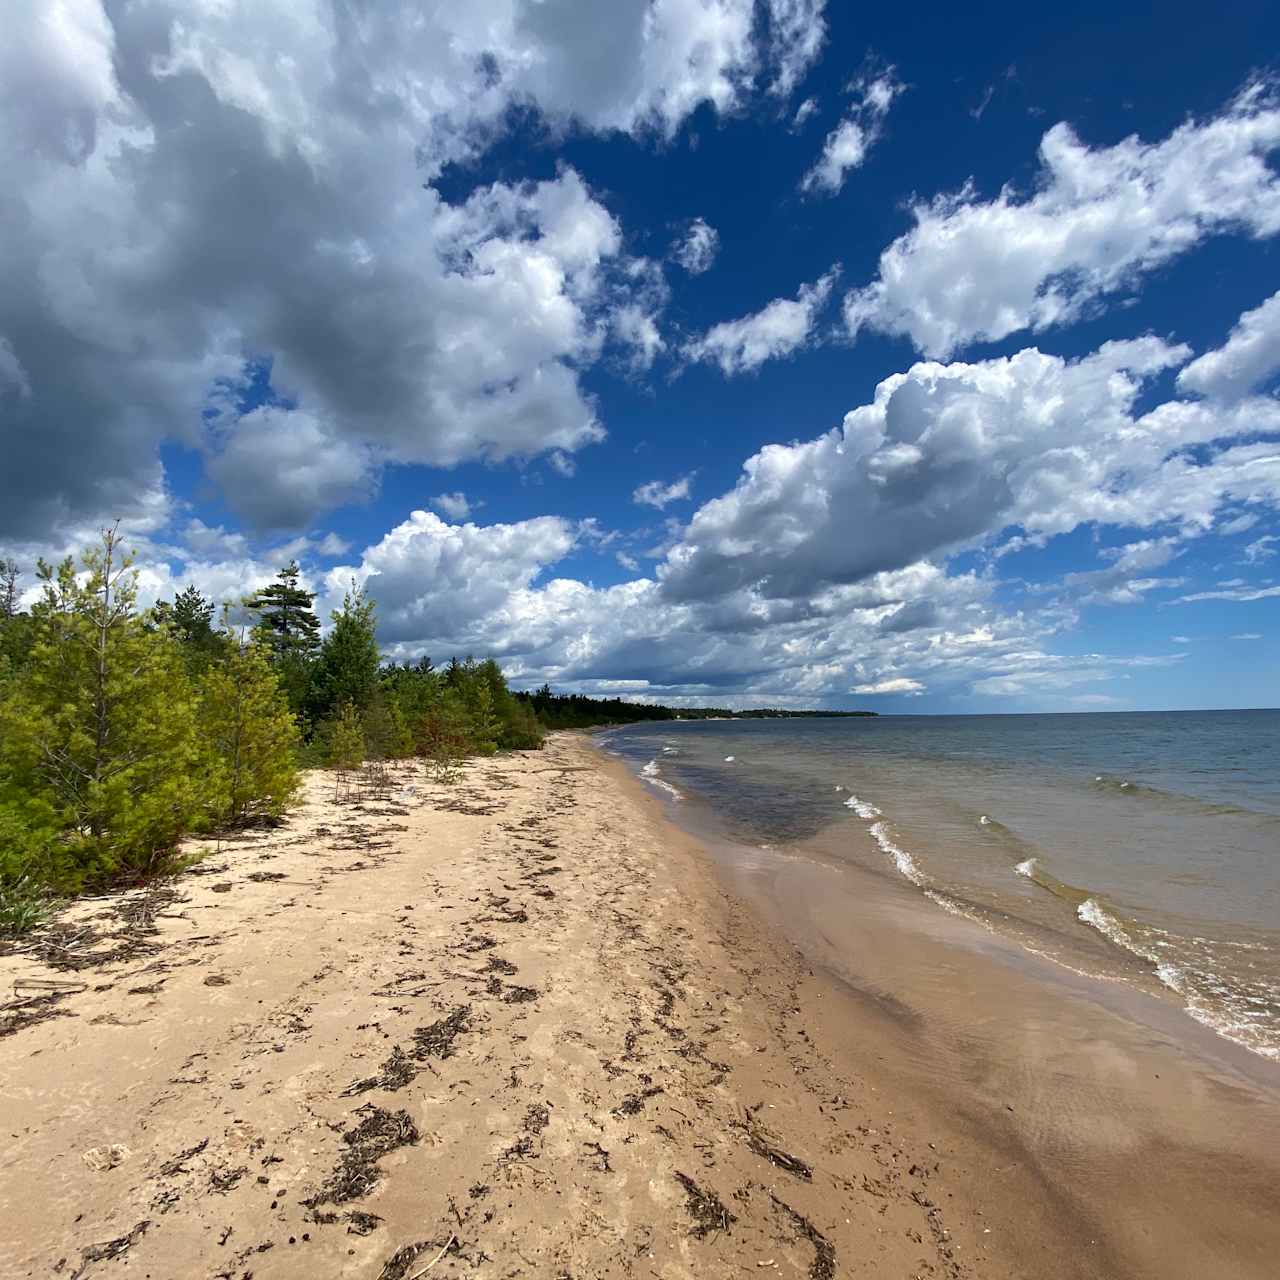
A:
(523, 1025)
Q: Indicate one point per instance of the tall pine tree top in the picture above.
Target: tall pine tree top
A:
(285, 615)
(347, 669)
(192, 613)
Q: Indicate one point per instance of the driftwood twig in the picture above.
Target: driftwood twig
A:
(452, 1240)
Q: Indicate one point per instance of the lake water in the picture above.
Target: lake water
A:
(1139, 847)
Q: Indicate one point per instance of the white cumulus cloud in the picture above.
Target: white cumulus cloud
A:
(947, 456)
(1097, 221)
(656, 494)
(894, 684)
(847, 144)
(1250, 356)
(190, 187)
(696, 249)
(280, 468)
(455, 506)
(779, 329)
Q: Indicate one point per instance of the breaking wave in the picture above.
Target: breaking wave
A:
(905, 863)
(1242, 1012)
(652, 776)
(861, 807)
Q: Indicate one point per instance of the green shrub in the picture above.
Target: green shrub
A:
(28, 869)
(345, 745)
(99, 726)
(250, 734)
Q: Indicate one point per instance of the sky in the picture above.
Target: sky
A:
(697, 351)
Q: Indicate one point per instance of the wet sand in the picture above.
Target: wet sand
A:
(525, 1026)
(1113, 1135)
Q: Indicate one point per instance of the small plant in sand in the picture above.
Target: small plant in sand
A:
(442, 737)
(24, 904)
(375, 780)
(345, 746)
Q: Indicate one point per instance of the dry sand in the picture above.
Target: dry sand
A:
(509, 1027)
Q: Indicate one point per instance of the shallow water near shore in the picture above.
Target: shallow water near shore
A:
(1143, 848)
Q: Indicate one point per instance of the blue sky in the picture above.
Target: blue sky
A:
(695, 350)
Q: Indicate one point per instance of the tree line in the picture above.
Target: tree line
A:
(122, 729)
(578, 711)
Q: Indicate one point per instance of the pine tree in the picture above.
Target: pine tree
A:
(251, 733)
(190, 615)
(484, 727)
(287, 618)
(542, 699)
(190, 618)
(16, 632)
(386, 733)
(415, 686)
(9, 575)
(347, 668)
(288, 626)
(520, 728)
(345, 747)
(441, 734)
(100, 729)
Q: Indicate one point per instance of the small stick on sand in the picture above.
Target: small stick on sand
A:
(447, 1246)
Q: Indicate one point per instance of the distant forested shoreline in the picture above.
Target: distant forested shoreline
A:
(577, 711)
(124, 729)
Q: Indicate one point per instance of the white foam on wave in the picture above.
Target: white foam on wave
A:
(861, 807)
(670, 751)
(650, 774)
(952, 907)
(905, 863)
(1228, 1025)
(1094, 914)
(1027, 868)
